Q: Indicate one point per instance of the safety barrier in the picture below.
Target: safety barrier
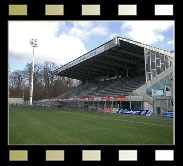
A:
(126, 111)
(135, 112)
(106, 110)
(169, 114)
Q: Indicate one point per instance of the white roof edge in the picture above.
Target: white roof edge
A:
(115, 40)
(165, 52)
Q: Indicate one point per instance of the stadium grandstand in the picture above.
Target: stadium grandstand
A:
(120, 74)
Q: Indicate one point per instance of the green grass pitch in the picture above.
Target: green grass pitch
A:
(29, 125)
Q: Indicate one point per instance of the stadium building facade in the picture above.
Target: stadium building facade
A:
(120, 74)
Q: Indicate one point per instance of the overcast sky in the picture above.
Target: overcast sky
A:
(61, 42)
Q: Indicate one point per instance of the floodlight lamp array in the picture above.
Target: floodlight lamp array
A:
(33, 42)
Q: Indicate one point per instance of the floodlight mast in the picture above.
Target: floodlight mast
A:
(33, 43)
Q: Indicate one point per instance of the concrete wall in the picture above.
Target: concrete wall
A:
(136, 98)
(161, 85)
(148, 106)
(143, 89)
(16, 101)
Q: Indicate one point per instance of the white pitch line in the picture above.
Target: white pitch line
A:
(131, 121)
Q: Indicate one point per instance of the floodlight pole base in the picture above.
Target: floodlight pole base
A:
(30, 102)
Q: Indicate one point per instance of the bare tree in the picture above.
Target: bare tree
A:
(45, 85)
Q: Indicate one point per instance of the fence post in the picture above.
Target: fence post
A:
(104, 106)
(83, 105)
(93, 104)
(130, 104)
(98, 105)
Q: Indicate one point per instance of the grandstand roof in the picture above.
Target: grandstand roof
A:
(114, 56)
